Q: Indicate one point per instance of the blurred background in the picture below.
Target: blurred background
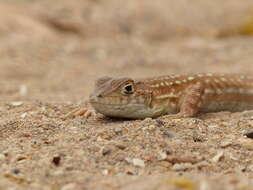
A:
(55, 50)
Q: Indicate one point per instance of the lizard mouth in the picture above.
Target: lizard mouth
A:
(118, 110)
(113, 104)
(110, 100)
(106, 104)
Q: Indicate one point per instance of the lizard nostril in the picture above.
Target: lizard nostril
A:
(99, 96)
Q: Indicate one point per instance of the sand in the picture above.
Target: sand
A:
(53, 51)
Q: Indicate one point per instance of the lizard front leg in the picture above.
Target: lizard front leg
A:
(190, 102)
(86, 112)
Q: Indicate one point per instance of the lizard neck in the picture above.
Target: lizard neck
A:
(166, 94)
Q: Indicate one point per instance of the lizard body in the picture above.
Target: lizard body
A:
(175, 95)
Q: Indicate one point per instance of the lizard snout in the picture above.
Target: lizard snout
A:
(94, 97)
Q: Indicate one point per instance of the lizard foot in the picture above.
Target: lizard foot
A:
(85, 112)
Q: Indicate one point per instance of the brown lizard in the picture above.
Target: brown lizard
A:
(177, 95)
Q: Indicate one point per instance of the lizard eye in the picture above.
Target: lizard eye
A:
(128, 89)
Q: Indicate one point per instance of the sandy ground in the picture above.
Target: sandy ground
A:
(52, 52)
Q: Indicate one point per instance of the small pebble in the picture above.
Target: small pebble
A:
(105, 172)
(119, 157)
(226, 143)
(21, 157)
(17, 103)
(138, 162)
(23, 115)
(56, 160)
(163, 155)
(165, 164)
(106, 151)
(135, 162)
(168, 134)
(213, 126)
(218, 157)
(249, 134)
(182, 166)
(129, 160)
(168, 151)
(27, 134)
(118, 131)
(16, 171)
(120, 145)
(130, 172)
(151, 127)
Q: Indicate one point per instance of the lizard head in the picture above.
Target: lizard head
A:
(120, 97)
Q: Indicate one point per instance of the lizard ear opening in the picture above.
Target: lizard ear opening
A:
(128, 89)
(102, 81)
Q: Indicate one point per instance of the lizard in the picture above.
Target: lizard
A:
(178, 96)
